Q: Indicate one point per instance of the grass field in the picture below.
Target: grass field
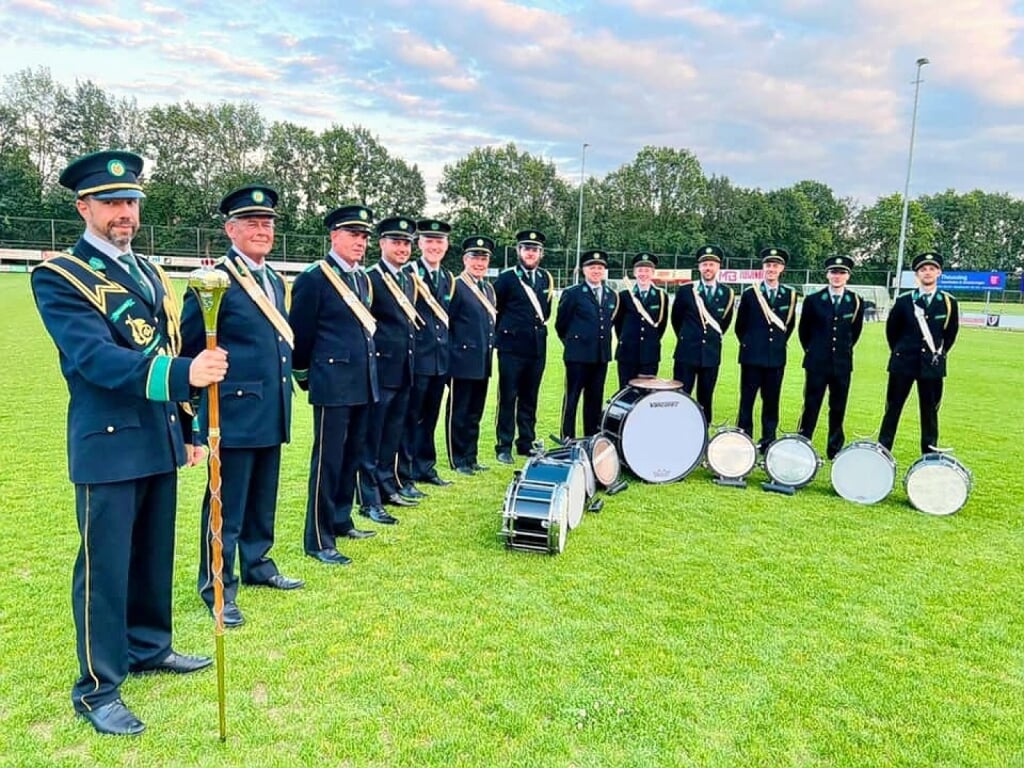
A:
(685, 625)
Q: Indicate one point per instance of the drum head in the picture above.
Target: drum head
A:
(558, 520)
(576, 487)
(578, 454)
(731, 454)
(605, 460)
(791, 460)
(938, 484)
(663, 436)
(864, 472)
(654, 383)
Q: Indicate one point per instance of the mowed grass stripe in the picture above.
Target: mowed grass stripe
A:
(685, 624)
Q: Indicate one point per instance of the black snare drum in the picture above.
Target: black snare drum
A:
(569, 471)
(535, 516)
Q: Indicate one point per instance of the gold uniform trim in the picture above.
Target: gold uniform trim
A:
(109, 187)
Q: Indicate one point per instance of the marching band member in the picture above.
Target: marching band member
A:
(701, 314)
(584, 322)
(523, 295)
(764, 322)
(640, 322)
(831, 322)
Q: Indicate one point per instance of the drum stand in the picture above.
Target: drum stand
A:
(620, 486)
(774, 487)
(731, 482)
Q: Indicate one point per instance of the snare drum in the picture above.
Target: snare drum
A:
(535, 516)
(567, 471)
(604, 458)
(792, 461)
(660, 434)
(731, 454)
(864, 472)
(938, 484)
(575, 452)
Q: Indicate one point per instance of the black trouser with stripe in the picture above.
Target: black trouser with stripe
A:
(417, 455)
(383, 436)
(929, 398)
(339, 445)
(815, 384)
(705, 379)
(586, 379)
(464, 410)
(249, 480)
(518, 388)
(767, 381)
(121, 586)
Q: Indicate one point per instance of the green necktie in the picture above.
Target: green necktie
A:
(771, 294)
(132, 266)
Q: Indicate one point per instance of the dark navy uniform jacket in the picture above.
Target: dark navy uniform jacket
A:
(472, 332)
(520, 331)
(696, 345)
(639, 342)
(122, 414)
(828, 332)
(909, 353)
(431, 353)
(396, 334)
(761, 342)
(334, 356)
(584, 327)
(256, 394)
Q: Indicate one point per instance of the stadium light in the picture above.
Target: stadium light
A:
(579, 220)
(906, 187)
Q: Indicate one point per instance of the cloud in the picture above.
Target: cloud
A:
(197, 55)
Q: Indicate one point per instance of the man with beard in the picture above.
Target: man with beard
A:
(831, 322)
(435, 286)
(524, 305)
(335, 361)
(584, 321)
(394, 309)
(255, 399)
(764, 322)
(472, 315)
(921, 329)
(641, 322)
(114, 320)
(701, 315)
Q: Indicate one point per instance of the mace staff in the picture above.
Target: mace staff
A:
(209, 286)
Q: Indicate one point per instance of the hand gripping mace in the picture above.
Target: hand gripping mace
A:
(209, 285)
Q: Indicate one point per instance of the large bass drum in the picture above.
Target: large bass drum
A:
(938, 484)
(660, 433)
(569, 471)
(864, 472)
(535, 517)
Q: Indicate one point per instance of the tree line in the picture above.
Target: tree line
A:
(661, 201)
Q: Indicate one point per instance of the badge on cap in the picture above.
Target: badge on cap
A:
(115, 168)
(479, 241)
(533, 235)
(257, 196)
(709, 249)
(435, 226)
(363, 214)
(773, 252)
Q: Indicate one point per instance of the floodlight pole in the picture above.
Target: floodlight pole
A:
(579, 220)
(906, 187)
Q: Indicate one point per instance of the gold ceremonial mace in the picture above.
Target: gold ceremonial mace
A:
(209, 285)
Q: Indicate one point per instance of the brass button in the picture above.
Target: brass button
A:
(110, 429)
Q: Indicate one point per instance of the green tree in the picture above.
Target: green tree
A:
(877, 232)
(32, 98)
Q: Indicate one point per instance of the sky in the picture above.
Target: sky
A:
(765, 93)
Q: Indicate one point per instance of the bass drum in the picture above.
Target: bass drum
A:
(864, 472)
(660, 434)
(570, 472)
(791, 460)
(938, 484)
(535, 517)
(731, 454)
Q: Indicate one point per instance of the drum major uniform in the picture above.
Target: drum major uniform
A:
(640, 322)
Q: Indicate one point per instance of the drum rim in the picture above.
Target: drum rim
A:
(934, 461)
(870, 447)
(801, 440)
(731, 432)
(615, 457)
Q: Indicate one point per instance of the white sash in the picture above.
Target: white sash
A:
(705, 315)
(351, 300)
(479, 295)
(532, 296)
(639, 305)
(428, 297)
(258, 295)
(769, 314)
(400, 297)
(922, 323)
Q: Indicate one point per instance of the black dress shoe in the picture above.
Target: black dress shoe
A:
(436, 480)
(412, 492)
(378, 515)
(330, 557)
(115, 719)
(233, 615)
(280, 581)
(480, 468)
(505, 457)
(465, 470)
(355, 533)
(397, 500)
(179, 663)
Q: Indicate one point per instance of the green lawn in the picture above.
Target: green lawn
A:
(685, 625)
